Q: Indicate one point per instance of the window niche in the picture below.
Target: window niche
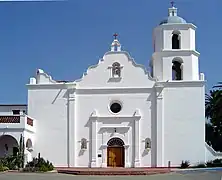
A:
(177, 69)
(176, 40)
(83, 144)
(147, 143)
(116, 70)
(29, 145)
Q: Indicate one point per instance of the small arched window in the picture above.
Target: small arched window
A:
(147, 143)
(176, 40)
(177, 70)
(83, 143)
(116, 70)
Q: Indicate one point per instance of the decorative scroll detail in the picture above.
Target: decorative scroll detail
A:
(115, 142)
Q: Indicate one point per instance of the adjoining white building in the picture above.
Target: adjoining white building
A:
(118, 114)
(15, 122)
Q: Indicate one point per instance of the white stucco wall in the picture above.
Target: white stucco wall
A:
(184, 123)
(49, 106)
(100, 102)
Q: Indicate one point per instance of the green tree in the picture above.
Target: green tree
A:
(213, 113)
(21, 151)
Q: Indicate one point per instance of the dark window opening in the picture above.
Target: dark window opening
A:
(16, 112)
(176, 71)
(115, 107)
(6, 147)
(15, 151)
(175, 41)
(115, 48)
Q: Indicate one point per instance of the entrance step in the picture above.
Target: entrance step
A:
(113, 171)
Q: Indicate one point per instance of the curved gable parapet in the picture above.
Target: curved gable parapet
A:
(44, 78)
(142, 67)
(95, 65)
(130, 59)
(90, 68)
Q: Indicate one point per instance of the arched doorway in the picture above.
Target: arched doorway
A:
(8, 146)
(115, 153)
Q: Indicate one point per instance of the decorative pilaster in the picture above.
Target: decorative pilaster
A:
(71, 129)
(104, 156)
(137, 143)
(127, 163)
(160, 127)
(94, 143)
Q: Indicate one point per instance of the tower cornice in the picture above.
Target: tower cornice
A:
(175, 26)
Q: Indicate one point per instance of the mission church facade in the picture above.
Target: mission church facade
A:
(120, 115)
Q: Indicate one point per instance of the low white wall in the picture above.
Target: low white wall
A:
(211, 154)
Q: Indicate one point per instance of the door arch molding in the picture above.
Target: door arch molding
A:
(115, 142)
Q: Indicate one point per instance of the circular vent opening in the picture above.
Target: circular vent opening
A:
(115, 107)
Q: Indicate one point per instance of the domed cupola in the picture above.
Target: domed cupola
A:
(172, 17)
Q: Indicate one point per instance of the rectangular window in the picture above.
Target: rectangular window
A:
(16, 112)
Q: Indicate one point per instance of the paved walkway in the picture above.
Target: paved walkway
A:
(209, 175)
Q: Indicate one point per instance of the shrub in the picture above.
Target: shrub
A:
(214, 163)
(184, 164)
(200, 165)
(3, 168)
(43, 168)
(30, 169)
(38, 164)
(210, 164)
(217, 162)
(11, 162)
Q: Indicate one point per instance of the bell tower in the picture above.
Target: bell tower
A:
(175, 57)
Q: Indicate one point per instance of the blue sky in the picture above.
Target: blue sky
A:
(63, 38)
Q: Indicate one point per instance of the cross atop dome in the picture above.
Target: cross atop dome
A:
(172, 3)
(115, 46)
(172, 9)
(173, 18)
(115, 35)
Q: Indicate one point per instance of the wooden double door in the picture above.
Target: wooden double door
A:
(115, 156)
